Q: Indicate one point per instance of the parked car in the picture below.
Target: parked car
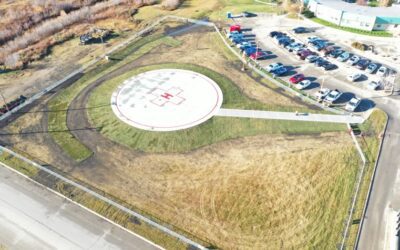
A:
(312, 58)
(236, 36)
(318, 45)
(362, 64)
(293, 45)
(300, 30)
(296, 78)
(280, 71)
(371, 68)
(353, 60)
(322, 93)
(382, 71)
(320, 62)
(243, 44)
(333, 96)
(352, 104)
(329, 66)
(304, 54)
(303, 84)
(373, 85)
(312, 39)
(235, 27)
(231, 34)
(258, 55)
(354, 77)
(274, 33)
(237, 40)
(250, 50)
(285, 43)
(336, 53)
(344, 57)
(327, 50)
(273, 66)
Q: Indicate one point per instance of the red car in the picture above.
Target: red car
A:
(296, 78)
(258, 55)
(235, 27)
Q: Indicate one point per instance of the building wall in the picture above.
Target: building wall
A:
(324, 12)
(356, 21)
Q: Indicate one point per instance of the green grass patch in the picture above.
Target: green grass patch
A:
(353, 30)
(57, 119)
(18, 165)
(214, 130)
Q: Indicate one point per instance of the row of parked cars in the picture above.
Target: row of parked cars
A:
(250, 49)
(302, 51)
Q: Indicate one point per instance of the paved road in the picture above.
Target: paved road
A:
(32, 217)
(290, 116)
(385, 195)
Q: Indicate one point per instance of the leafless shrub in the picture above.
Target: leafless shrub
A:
(171, 4)
(53, 26)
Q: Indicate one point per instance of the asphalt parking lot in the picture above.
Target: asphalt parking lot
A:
(257, 33)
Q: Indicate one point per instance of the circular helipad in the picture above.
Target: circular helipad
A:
(166, 100)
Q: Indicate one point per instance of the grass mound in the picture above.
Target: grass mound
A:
(214, 130)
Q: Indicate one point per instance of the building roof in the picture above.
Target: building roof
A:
(393, 11)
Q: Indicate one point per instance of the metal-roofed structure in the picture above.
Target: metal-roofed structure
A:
(356, 16)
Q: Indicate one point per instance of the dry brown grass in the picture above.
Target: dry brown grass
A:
(252, 192)
(262, 192)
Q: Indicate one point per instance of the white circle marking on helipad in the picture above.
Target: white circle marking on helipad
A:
(166, 100)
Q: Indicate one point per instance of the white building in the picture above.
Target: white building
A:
(355, 16)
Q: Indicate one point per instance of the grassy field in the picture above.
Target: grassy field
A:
(214, 130)
(214, 9)
(205, 49)
(372, 130)
(57, 119)
(353, 30)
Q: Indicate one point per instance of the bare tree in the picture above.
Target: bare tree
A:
(12, 61)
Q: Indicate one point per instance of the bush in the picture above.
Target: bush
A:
(171, 4)
(309, 14)
(359, 46)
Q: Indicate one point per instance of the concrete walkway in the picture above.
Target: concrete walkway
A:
(290, 116)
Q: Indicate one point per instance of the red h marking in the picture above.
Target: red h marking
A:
(167, 96)
(162, 97)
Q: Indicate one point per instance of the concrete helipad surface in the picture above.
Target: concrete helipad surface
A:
(167, 100)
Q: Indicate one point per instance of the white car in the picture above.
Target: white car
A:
(233, 33)
(373, 85)
(352, 104)
(322, 93)
(273, 67)
(354, 77)
(353, 60)
(243, 45)
(303, 84)
(333, 96)
(382, 71)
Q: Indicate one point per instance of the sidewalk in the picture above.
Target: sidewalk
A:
(292, 116)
